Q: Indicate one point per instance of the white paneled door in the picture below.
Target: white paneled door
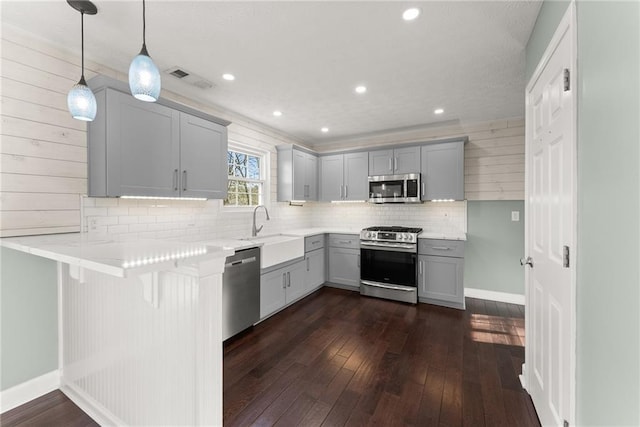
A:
(550, 229)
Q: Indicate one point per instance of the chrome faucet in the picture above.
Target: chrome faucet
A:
(254, 230)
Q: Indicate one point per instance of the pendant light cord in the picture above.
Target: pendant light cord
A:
(144, 24)
(82, 41)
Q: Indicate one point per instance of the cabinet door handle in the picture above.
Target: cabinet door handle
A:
(307, 264)
(347, 242)
(184, 180)
(358, 260)
(284, 280)
(390, 164)
(423, 189)
(341, 191)
(395, 163)
(175, 180)
(420, 268)
(440, 248)
(346, 187)
(288, 279)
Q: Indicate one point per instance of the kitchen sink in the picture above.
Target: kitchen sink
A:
(278, 248)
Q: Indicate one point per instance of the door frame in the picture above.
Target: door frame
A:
(567, 25)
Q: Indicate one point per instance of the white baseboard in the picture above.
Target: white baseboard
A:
(494, 296)
(29, 390)
(90, 406)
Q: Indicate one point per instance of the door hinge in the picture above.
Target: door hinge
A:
(567, 80)
(565, 256)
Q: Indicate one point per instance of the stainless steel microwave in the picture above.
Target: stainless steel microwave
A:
(395, 188)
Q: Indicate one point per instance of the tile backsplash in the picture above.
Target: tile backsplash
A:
(209, 220)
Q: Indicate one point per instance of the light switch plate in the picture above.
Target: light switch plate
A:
(515, 215)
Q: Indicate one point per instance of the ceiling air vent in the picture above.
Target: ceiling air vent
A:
(179, 73)
(189, 78)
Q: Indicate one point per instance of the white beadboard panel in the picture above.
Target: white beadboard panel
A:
(35, 95)
(42, 184)
(15, 163)
(53, 65)
(38, 201)
(494, 177)
(490, 169)
(35, 75)
(494, 195)
(126, 340)
(471, 153)
(38, 219)
(20, 127)
(495, 160)
(42, 149)
(40, 113)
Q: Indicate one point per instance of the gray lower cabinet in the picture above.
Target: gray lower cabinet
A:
(153, 149)
(344, 260)
(440, 272)
(314, 276)
(314, 247)
(442, 169)
(281, 286)
(344, 177)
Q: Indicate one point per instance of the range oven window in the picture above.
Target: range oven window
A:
(397, 268)
(386, 189)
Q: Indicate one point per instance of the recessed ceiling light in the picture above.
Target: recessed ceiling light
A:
(325, 130)
(229, 77)
(277, 113)
(361, 89)
(411, 14)
(438, 111)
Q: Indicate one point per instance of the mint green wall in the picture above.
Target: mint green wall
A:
(549, 17)
(494, 247)
(608, 252)
(608, 276)
(29, 317)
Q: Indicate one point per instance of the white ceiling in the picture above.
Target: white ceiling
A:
(305, 58)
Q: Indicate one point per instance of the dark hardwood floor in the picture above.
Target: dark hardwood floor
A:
(336, 358)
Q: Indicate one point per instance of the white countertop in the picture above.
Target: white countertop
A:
(305, 232)
(120, 258)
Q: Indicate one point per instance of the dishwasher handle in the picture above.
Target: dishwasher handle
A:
(240, 262)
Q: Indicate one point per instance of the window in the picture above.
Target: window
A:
(246, 170)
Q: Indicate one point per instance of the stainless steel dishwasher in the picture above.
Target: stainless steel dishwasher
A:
(240, 292)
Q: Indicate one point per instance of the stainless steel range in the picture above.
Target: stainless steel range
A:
(389, 261)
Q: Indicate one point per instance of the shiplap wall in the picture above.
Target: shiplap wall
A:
(43, 150)
(494, 156)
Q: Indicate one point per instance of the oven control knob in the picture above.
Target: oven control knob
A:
(410, 237)
(402, 236)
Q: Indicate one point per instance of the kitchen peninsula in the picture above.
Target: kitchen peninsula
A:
(140, 339)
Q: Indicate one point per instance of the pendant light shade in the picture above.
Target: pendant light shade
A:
(144, 76)
(81, 101)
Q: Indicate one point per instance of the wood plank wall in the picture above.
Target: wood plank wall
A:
(494, 156)
(43, 151)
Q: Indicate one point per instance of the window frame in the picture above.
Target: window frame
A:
(265, 171)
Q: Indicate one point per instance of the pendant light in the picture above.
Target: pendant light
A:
(144, 77)
(80, 100)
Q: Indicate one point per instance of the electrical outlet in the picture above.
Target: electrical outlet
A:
(515, 215)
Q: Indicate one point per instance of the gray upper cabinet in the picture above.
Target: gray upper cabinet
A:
(202, 145)
(297, 174)
(139, 150)
(344, 177)
(394, 161)
(159, 149)
(443, 171)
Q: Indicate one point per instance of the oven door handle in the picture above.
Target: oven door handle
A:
(383, 286)
(389, 246)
